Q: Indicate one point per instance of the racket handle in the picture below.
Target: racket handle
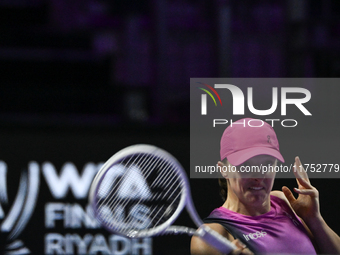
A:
(215, 239)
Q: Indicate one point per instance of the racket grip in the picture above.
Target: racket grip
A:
(215, 239)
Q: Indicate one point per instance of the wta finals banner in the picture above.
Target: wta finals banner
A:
(69, 226)
(302, 111)
(44, 183)
(45, 177)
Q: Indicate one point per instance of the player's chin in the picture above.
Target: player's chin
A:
(258, 195)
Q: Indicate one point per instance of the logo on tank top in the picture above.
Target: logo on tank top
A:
(255, 235)
(295, 222)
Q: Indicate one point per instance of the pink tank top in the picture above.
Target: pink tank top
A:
(279, 231)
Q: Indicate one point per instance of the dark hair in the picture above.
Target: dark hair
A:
(223, 183)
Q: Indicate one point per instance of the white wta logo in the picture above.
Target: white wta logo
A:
(21, 210)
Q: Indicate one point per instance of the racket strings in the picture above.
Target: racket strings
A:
(172, 181)
(128, 220)
(118, 186)
(109, 203)
(161, 177)
(166, 209)
(102, 188)
(160, 182)
(102, 203)
(112, 205)
(175, 191)
(120, 181)
(165, 180)
(165, 213)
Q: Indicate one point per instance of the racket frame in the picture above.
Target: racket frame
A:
(144, 149)
(206, 233)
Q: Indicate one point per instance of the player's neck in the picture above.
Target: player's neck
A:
(254, 208)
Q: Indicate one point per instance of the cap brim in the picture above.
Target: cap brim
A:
(239, 157)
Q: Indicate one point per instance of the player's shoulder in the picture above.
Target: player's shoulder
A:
(281, 195)
(219, 228)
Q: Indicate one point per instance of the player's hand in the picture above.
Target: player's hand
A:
(241, 248)
(306, 205)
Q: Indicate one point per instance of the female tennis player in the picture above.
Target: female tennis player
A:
(257, 219)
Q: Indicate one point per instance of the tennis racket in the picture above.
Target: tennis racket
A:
(141, 190)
